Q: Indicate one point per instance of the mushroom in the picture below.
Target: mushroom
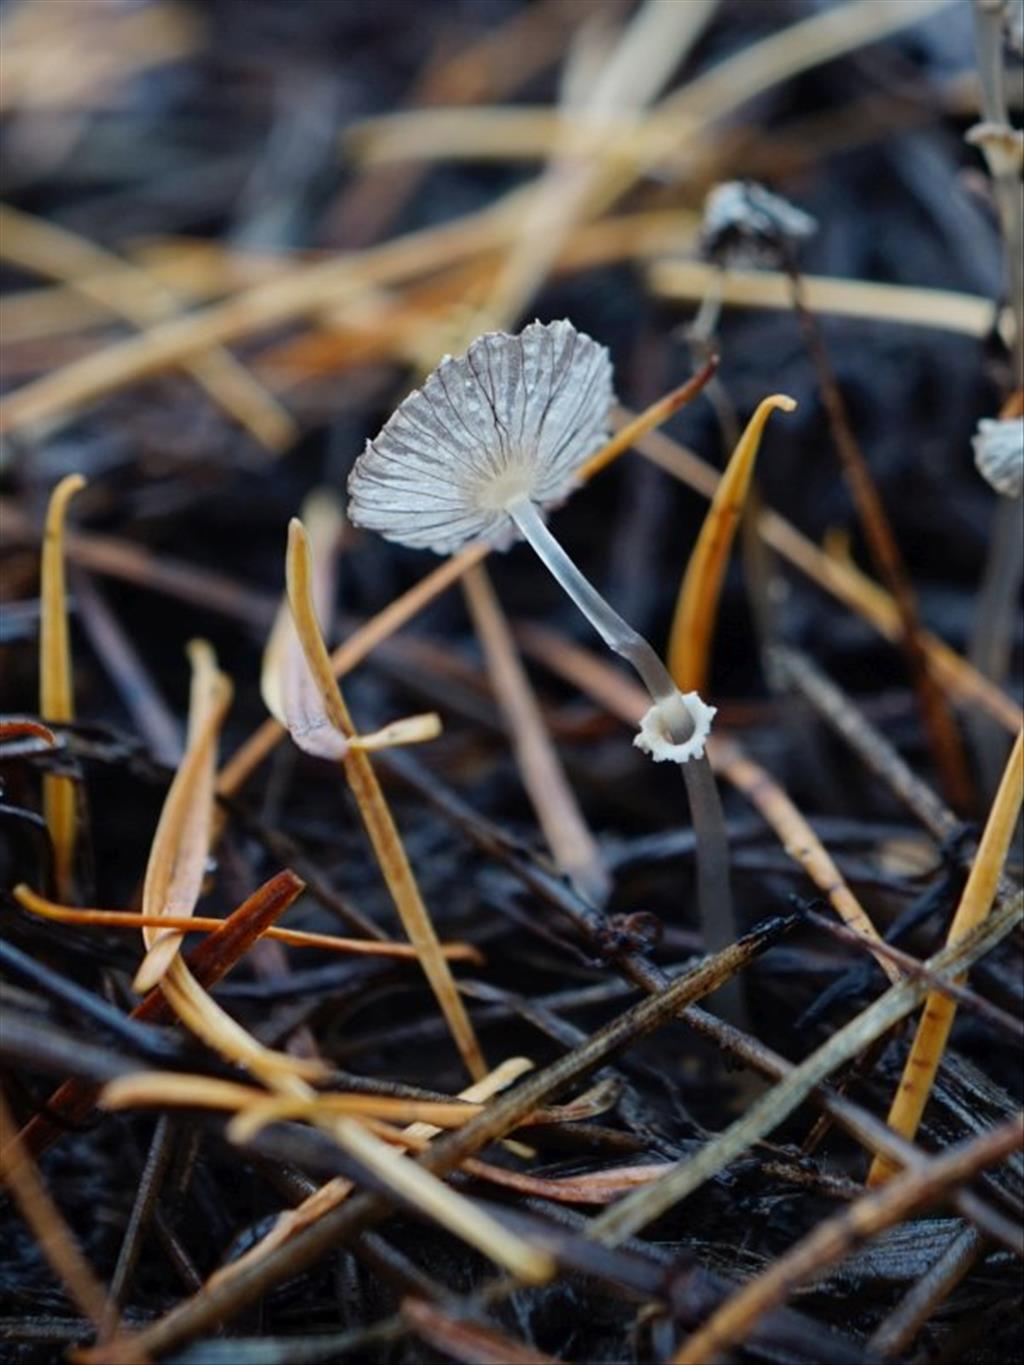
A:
(493, 440)
(999, 454)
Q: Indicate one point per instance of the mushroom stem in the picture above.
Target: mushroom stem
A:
(713, 892)
(613, 630)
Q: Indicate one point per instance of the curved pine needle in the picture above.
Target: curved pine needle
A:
(697, 608)
(177, 860)
(940, 1010)
(56, 687)
(373, 807)
(651, 417)
(296, 938)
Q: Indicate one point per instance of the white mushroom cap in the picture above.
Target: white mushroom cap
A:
(999, 454)
(514, 417)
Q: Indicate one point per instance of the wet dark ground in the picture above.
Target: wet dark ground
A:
(239, 143)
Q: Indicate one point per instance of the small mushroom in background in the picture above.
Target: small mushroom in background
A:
(493, 440)
(999, 454)
(746, 225)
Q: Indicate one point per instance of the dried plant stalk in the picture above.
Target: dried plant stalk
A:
(689, 647)
(939, 1011)
(574, 847)
(380, 826)
(844, 1233)
(56, 688)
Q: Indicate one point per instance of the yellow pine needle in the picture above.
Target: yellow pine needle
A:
(690, 640)
(651, 417)
(940, 1010)
(296, 938)
(380, 826)
(56, 690)
(797, 838)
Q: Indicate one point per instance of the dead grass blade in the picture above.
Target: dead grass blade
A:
(132, 293)
(658, 412)
(689, 647)
(56, 687)
(936, 1021)
(572, 844)
(380, 826)
(637, 1210)
(18, 1172)
(843, 1233)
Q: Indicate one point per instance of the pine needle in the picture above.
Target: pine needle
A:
(130, 292)
(296, 938)
(697, 608)
(56, 686)
(380, 826)
(939, 1011)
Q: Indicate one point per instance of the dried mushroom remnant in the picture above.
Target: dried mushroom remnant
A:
(491, 441)
(746, 225)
